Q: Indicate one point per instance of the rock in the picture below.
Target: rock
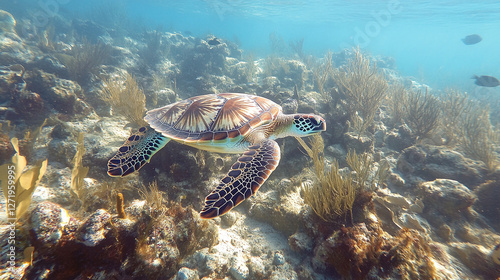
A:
(360, 144)
(61, 94)
(95, 228)
(90, 30)
(237, 267)
(290, 106)
(12, 48)
(476, 258)
(400, 138)
(169, 237)
(50, 65)
(285, 271)
(203, 60)
(228, 219)
(436, 162)
(278, 258)
(448, 197)
(300, 242)
(270, 84)
(187, 274)
(257, 268)
(49, 222)
(29, 106)
(7, 22)
(282, 212)
(487, 201)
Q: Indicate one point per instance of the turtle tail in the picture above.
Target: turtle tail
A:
(136, 152)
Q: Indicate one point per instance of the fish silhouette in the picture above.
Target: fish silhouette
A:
(472, 39)
(486, 81)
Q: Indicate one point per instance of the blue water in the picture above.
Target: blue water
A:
(424, 37)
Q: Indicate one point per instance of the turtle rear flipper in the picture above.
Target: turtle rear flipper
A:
(136, 151)
(246, 176)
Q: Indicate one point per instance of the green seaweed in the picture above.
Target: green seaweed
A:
(18, 185)
(298, 47)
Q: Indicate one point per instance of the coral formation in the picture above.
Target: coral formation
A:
(415, 167)
(364, 251)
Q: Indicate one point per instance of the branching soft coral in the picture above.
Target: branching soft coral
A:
(363, 87)
(330, 195)
(126, 98)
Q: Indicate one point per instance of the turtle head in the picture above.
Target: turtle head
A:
(305, 125)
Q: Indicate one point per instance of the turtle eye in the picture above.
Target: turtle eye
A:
(314, 121)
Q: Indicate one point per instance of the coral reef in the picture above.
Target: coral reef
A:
(152, 245)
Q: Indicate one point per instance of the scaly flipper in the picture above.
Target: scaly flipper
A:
(244, 179)
(136, 151)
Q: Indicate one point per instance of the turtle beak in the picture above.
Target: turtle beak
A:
(319, 124)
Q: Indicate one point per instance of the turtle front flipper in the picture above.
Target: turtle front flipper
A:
(246, 176)
(136, 151)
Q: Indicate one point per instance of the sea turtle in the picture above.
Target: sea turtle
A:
(224, 123)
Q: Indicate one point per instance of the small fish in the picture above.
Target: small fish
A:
(472, 39)
(486, 81)
(214, 42)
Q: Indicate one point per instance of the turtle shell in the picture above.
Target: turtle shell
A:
(212, 116)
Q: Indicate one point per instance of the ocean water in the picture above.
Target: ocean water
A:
(424, 37)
